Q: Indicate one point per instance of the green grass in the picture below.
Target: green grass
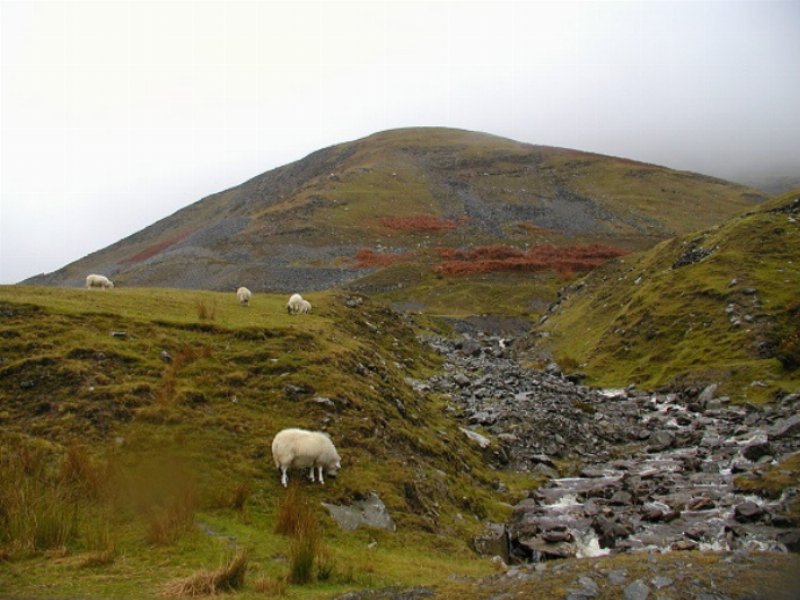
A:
(160, 452)
(640, 320)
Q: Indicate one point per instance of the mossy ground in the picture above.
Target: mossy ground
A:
(192, 434)
(641, 320)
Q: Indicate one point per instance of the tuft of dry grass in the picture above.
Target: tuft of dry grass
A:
(227, 578)
(167, 522)
(185, 355)
(206, 312)
(270, 586)
(294, 512)
(98, 559)
(241, 494)
(38, 505)
(307, 557)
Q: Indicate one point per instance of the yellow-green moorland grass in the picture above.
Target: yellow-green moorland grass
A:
(175, 417)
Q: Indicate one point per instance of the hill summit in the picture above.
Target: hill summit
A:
(402, 194)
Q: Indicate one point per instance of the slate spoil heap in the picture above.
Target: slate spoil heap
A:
(653, 471)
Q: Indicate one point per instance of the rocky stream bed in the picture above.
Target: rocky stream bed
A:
(654, 473)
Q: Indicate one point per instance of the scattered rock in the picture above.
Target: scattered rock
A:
(370, 512)
(493, 541)
(477, 438)
(637, 590)
(747, 512)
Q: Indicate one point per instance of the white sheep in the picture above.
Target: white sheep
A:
(98, 281)
(243, 294)
(305, 307)
(303, 449)
(294, 304)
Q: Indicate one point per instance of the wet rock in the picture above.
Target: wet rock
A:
(493, 541)
(660, 440)
(608, 531)
(755, 450)
(785, 427)
(700, 503)
(747, 512)
(621, 499)
(544, 550)
(557, 535)
(682, 545)
(790, 539)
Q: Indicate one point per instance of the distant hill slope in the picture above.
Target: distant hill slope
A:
(718, 306)
(406, 192)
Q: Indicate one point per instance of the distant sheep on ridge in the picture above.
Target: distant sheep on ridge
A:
(243, 295)
(303, 449)
(98, 281)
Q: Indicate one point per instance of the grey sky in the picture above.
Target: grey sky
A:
(117, 113)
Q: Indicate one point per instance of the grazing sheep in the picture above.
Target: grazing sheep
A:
(294, 304)
(243, 294)
(305, 307)
(98, 281)
(303, 449)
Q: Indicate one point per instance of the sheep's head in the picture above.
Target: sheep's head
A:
(333, 470)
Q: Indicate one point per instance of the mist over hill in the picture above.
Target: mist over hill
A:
(407, 192)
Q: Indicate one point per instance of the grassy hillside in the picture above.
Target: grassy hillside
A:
(122, 470)
(721, 305)
(405, 197)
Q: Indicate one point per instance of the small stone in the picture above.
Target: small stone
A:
(617, 577)
(747, 511)
(681, 545)
(661, 440)
(323, 401)
(637, 590)
(785, 427)
(589, 586)
(477, 438)
(461, 379)
(756, 450)
(621, 498)
(661, 582)
(790, 539)
(700, 503)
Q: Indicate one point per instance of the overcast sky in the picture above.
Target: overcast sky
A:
(117, 113)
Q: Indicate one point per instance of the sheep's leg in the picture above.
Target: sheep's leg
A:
(311, 474)
(284, 477)
(321, 480)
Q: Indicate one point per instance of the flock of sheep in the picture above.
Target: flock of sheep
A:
(297, 305)
(292, 448)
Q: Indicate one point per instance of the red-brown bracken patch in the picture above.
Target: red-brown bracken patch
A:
(420, 222)
(367, 259)
(154, 249)
(565, 260)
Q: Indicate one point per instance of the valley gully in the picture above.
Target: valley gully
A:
(653, 471)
